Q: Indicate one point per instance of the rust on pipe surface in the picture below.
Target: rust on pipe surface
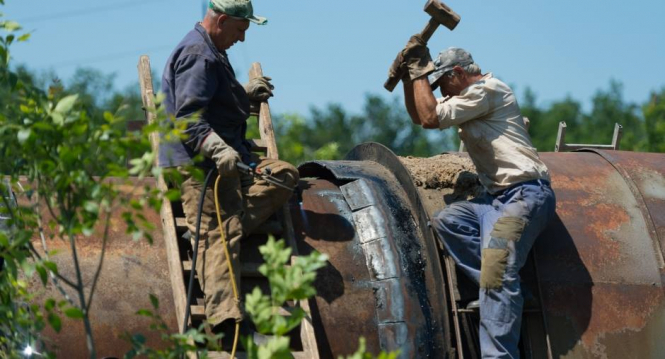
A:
(600, 260)
(599, 263)
(132, 270)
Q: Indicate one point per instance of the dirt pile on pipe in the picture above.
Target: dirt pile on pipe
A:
(450, 175)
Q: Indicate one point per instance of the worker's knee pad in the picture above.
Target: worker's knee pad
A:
(506, 231)
(509, 228)
(493, 267)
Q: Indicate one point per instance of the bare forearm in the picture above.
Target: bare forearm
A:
(409, 101)
(425, 103)
(420, 103)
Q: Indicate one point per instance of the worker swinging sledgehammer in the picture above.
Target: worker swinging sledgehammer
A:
(199, 81)
(488, 237)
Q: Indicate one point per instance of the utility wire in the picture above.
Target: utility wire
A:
(88, 11)
(110, 57)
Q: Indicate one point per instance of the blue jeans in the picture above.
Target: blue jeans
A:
(490, 238)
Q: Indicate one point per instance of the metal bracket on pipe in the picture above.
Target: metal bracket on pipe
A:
(561, 145)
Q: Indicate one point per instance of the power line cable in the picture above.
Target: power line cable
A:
(110, 57)
(88, 11)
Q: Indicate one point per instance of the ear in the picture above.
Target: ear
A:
(221, 20)
(458, 70)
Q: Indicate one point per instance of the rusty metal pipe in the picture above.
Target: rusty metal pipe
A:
(599, 264)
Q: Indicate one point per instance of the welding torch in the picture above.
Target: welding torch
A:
(265, 174)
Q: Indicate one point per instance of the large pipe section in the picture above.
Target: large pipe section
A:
(599, 264)
(132, 270)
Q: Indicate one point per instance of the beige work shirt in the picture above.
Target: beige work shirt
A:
(494, 133)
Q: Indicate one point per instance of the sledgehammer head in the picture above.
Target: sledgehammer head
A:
(442, 14)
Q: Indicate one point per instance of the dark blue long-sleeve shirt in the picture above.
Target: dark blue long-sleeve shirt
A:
(198, 79)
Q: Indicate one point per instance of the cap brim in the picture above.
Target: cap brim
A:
(258, 20)
(433, 79)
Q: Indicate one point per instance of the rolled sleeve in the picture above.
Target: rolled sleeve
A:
(473, 103)
(195, 86)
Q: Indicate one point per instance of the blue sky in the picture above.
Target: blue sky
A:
(319, 52)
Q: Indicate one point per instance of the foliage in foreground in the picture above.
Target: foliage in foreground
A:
(288, 283)
(67, 170)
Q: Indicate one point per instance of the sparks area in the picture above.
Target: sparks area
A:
(28, 351)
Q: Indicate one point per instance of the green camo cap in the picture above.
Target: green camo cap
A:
(237, 8)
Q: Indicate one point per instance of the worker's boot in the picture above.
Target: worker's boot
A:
(473, 305)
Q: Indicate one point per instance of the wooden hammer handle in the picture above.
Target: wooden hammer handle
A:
(426, 34)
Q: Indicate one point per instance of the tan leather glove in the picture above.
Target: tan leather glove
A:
(259, 89)
(225, 156)
(398, 66)
(417, 58)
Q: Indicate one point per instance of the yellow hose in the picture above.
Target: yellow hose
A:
(228, 260)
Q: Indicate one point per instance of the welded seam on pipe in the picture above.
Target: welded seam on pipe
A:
(651, 224)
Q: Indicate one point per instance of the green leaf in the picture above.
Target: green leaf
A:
(65, 105)
(172, 194)
(4, 240)
(58, 119)
(24, 37)
(92, 207)
(23, 135)
(11, 25)
(13, 80)
(51, 266)
(55, 322)
(49, 304)
(74, 313)
(144, 313)
(42, 274)
(154, 301)
(138, 338)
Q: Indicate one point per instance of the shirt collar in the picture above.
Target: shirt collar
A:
(485, 77)
(199, 28)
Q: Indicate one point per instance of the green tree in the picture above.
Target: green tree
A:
(654, 118)
(609, 108)
(331, 132)
(544, 123)
(388, 123)
(50, 142)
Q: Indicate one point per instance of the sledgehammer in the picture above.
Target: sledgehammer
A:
(441, 15)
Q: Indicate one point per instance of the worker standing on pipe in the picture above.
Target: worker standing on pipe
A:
(200, 83)
(488, 237)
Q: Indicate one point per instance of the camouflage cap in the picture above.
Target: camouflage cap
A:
(237, 8)
(446, 60)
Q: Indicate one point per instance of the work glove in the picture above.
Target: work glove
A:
(224, 156)
(259, 89)
(398, 68)
(417, 58)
